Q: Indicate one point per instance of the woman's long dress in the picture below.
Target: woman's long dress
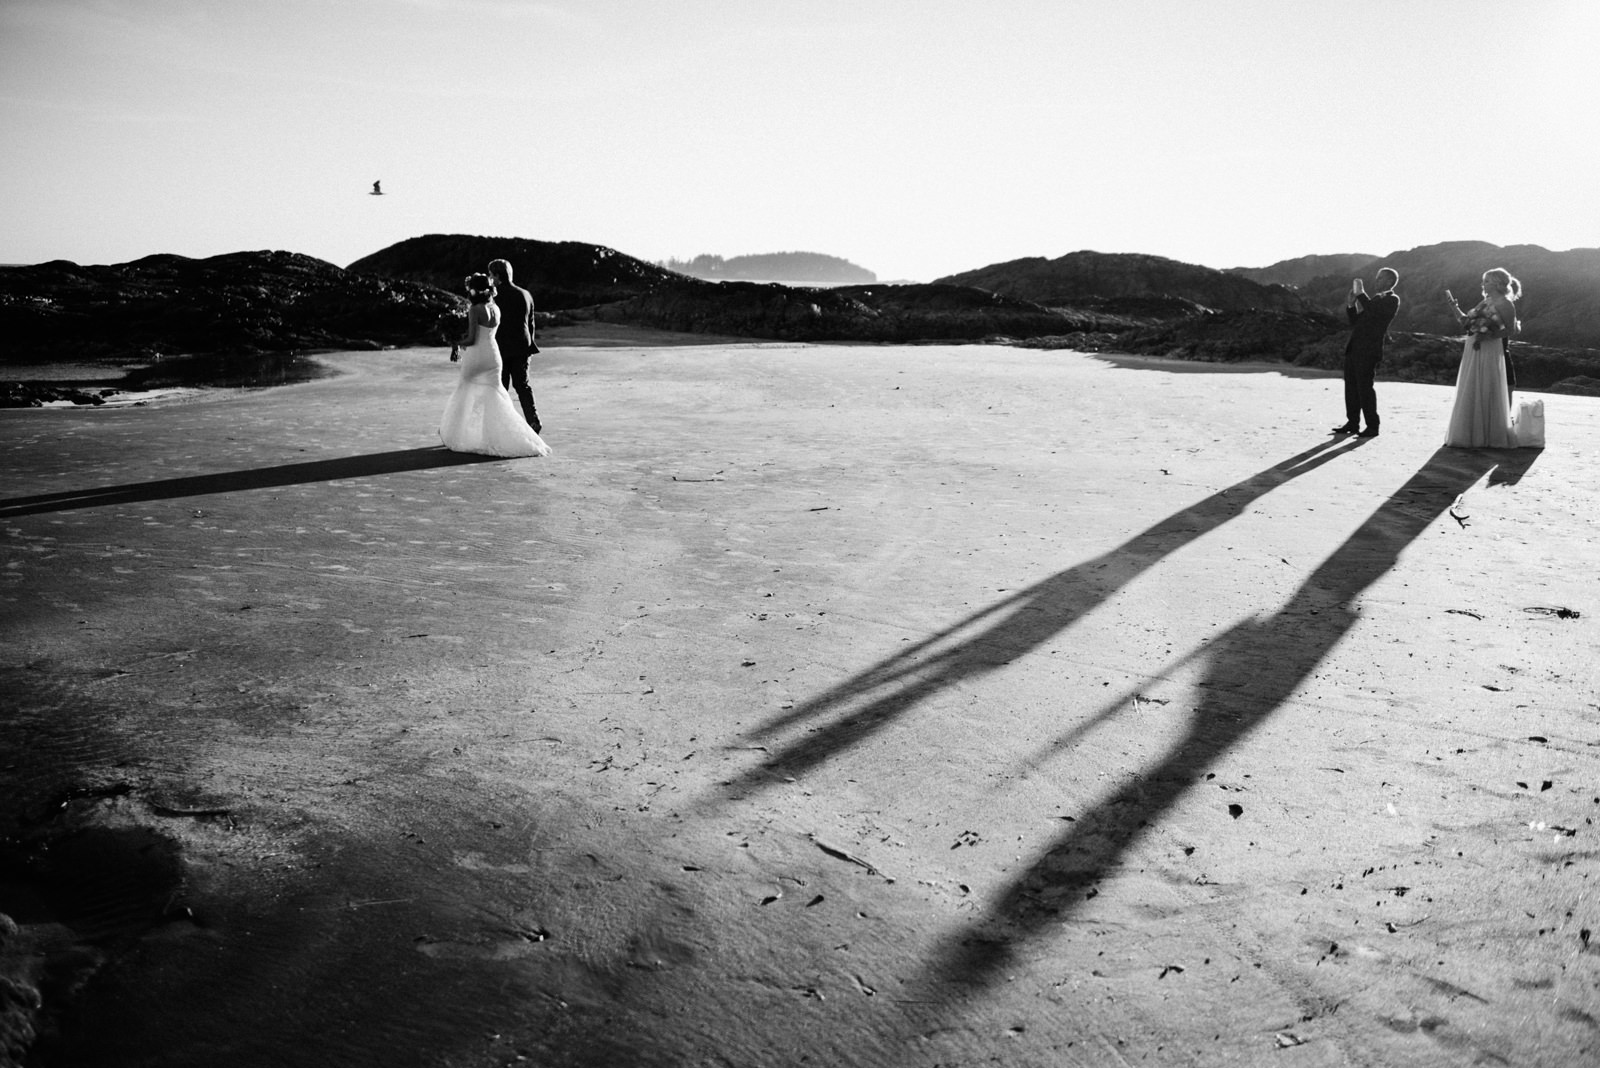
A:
(1481, 418)
(480, 417)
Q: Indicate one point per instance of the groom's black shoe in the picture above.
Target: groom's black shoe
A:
(1370, 432)
(1348, 428)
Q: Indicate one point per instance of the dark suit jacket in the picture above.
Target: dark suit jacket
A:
(515, 332)
(1369, 321)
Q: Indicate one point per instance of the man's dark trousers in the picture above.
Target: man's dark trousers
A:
(1360, 390)
(515, 339)
(514, 376)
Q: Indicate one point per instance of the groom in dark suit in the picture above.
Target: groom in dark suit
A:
(514, 336)
(1369, 317)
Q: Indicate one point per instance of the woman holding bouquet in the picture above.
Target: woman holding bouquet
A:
(1481, 417)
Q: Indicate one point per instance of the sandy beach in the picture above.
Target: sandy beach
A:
(811, 705)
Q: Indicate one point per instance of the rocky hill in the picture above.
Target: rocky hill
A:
(1561, 299)
(1083, 278)
(1297, 272)
(242, 302)
(560, 274)
(284, 303)
(1559, 349)
(798, 268)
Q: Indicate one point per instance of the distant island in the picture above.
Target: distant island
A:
(799, 268)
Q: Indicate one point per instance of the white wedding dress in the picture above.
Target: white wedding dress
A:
(480, 416)
(1481, 417)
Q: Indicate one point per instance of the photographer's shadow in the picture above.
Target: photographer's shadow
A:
(1250, 672)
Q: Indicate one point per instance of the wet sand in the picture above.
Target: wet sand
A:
(811, 705)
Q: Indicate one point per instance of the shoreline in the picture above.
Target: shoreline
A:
(96, 385)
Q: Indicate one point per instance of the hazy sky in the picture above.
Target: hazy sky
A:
(914, 137)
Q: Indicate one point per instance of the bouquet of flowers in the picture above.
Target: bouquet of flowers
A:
(1481, 321)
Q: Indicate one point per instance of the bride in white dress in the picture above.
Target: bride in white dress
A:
(1481, 417)
(479, 417)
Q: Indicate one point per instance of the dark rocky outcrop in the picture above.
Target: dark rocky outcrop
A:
(887, 313)
(1410, 356)
(1316, 339)
(560, 274)
(1237, 336)
(1085, 277)
(38, 394)
(242, 302)
(1578, 385)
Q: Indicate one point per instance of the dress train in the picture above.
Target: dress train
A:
(1481, 416)
(480, 417)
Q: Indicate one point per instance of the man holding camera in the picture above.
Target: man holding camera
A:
(1369, 317)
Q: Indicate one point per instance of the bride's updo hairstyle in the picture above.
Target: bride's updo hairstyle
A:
(479, 287)
(1501, 279)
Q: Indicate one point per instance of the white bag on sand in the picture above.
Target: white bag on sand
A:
(1527, 424)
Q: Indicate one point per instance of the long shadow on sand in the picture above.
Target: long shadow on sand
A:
(377, 463)
(1250, 671)
(1007, 629)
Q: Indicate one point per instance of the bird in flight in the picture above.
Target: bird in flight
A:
(377, 188)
